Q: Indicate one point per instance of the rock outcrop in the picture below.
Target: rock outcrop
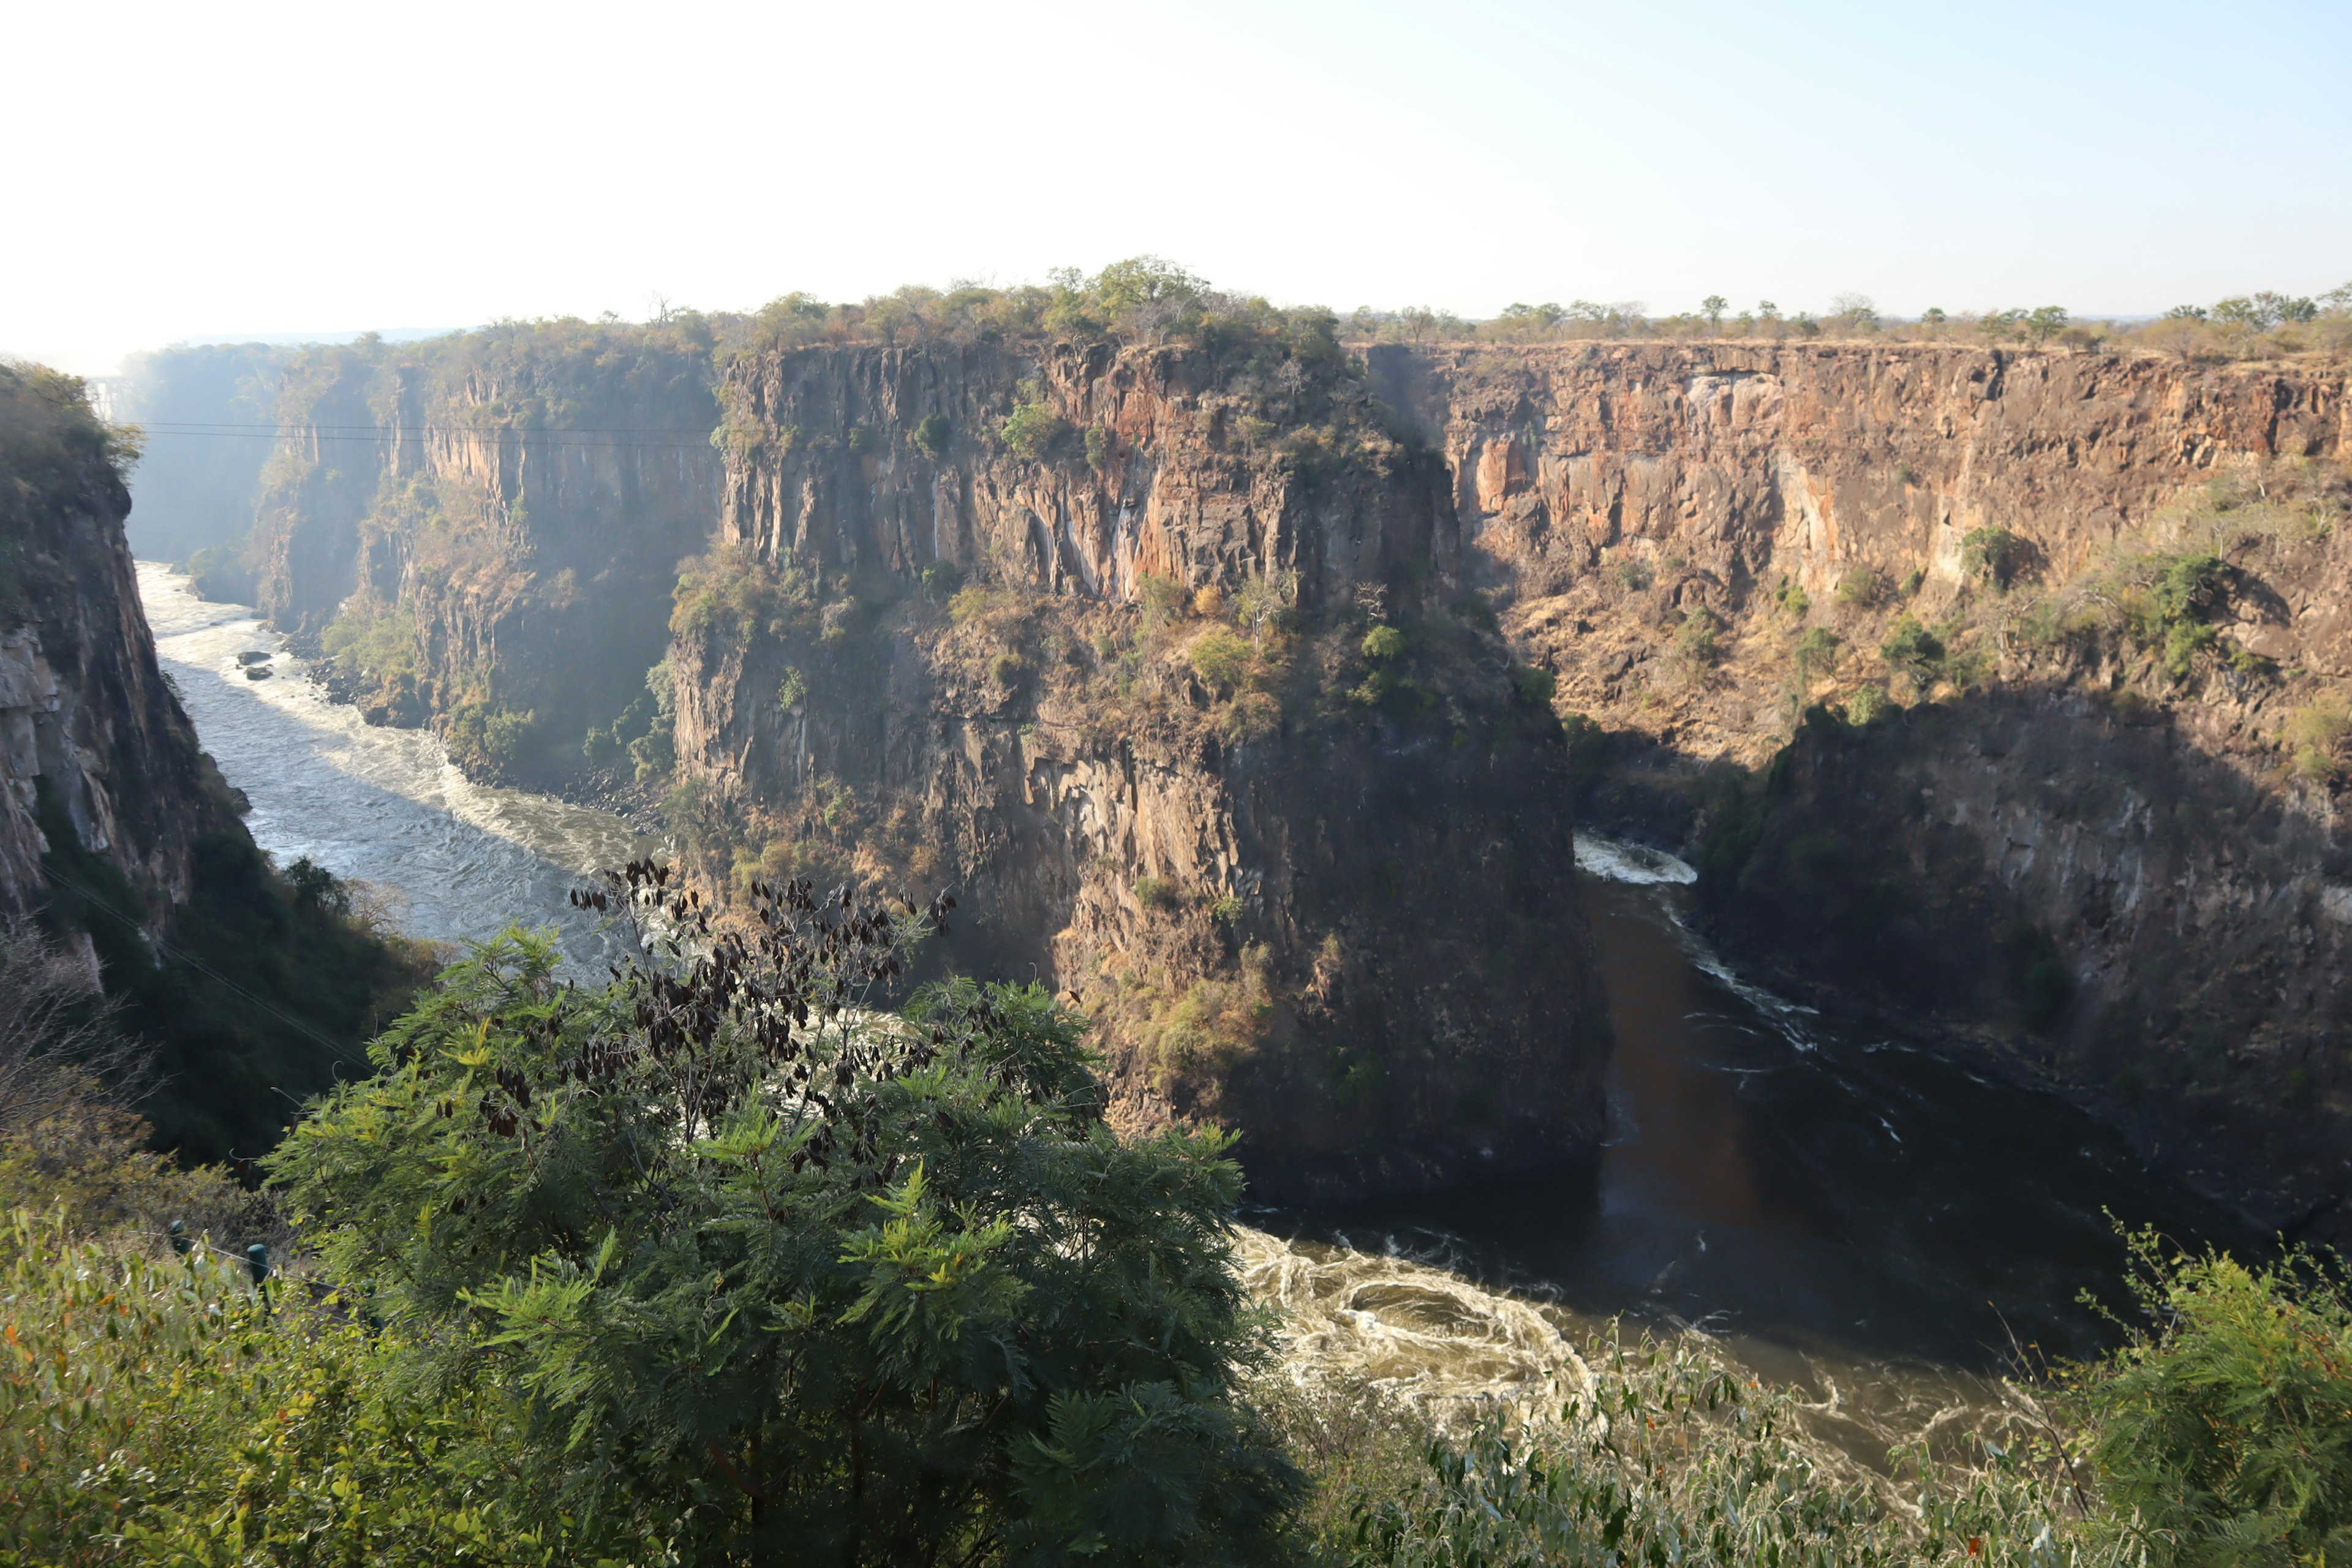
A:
(91, 735)
(487, 526)
(1319, 893)
(2106, 593)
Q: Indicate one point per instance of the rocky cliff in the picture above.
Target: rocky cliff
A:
(121, 837)
(91, 736)
(484, 528)
(2071, 630)
(1157, 657)
(1128, 640)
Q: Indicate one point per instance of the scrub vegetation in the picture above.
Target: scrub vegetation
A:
(725, 1263)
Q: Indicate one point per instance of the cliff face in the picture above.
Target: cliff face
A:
(2107, 597)
(487, 526)
(90, 735)
(1322, 894)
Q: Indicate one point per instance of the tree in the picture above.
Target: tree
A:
(2044, 322)
(769, 1273)
(1713, 307)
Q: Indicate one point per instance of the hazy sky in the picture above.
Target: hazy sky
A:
(197, 171)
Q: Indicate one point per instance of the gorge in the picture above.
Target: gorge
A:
(1115, 637)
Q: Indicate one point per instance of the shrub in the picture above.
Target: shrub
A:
(1097, 448)
(1861, 588)
(1867, 705)
(2315, 737)
(1220, 658)
(940, 578)
(1033, 429)
(1910, 644)
(1792, 598)
(1994, 554)
(1165, 601)
(1209, 602)
(1006, 669)
(1227, 910)
(486, 737)
(1536, 686)
(930, 435)
(2223, 1433)
(1156, 892)
(1816, 651)
(1632, 572)
(1694, 639)
(1383, 643)
(773, 1277)
(1911, 583)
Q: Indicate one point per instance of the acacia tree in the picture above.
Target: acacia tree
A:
(770, 1274)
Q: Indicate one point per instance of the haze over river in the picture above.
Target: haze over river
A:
(1825, 1200)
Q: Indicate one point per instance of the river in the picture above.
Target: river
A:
(1839, 1208)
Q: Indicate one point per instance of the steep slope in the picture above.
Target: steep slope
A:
(2092, 609)
(1202, 735)
(484, 528)
(120, 835)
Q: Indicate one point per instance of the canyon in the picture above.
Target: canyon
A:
(1248, 691)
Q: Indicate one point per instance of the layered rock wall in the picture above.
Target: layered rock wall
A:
(91, 736)
(1349, 929)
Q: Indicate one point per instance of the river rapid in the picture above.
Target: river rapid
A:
(1843, 1210)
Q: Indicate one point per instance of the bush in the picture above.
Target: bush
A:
(774, 1277)
(940, 579)
(1535, 686)
(1868, 705)
(1156, 892)
(1994, 554)
(1861, 588)
(930, 435)
(2316, 738)
(486, 739)
(1910, 644)
(1792, 598)
(1033, 429)
(1219, 657)
(2223, 1433)
(1631, 574)
(1694, 639)
(1383, 643)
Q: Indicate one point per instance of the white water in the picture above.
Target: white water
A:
(384, 807)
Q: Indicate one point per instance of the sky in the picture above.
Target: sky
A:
(187, 173)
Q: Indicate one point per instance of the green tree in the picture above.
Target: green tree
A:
(1712, 307)
(782, 1277)
(1033, 429)
(2224, 1435)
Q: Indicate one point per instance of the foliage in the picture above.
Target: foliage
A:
(734, 595)
(771, 1272)
(160, 1412)
(940, 579)
(485, 738)
(1696, 639)
(1191, 1042)
(1035, 430)
(1536, 686)
(1994, 554)
(930, 434)
(1384, 642)
(2316, 738)
(1816, 652)
(1673, 1455)
(1156, 892)
(1910, 644)
(1219, 657)
(2222, 1433)
(1861, 588)
(1868, 705)
(257, 991)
